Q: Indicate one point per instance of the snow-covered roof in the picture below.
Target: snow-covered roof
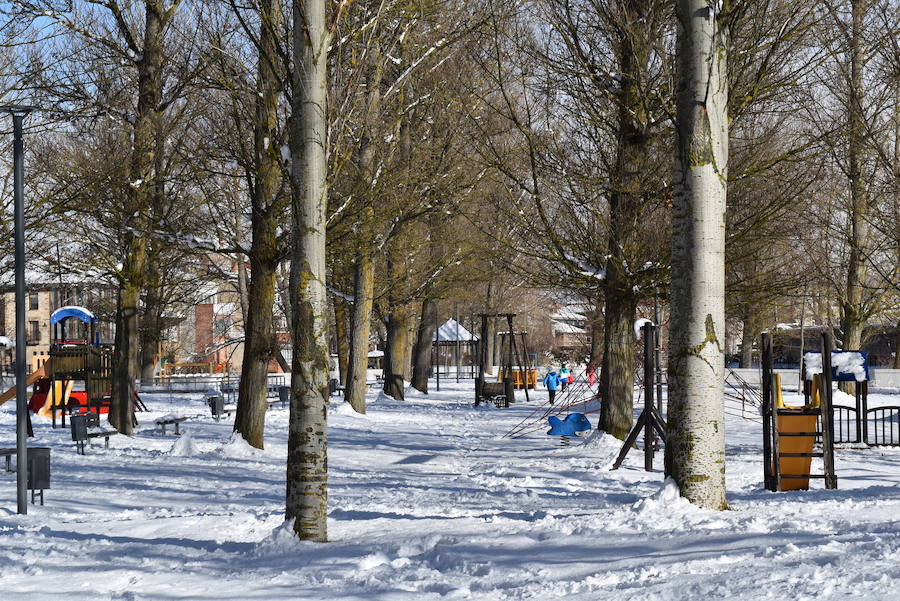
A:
(568, 314)
(564, 328)
(447, 332)
(81, 313)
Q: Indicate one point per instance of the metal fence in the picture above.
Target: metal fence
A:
(199, 384)
(881, 427)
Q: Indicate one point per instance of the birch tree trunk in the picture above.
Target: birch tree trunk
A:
(266, 208)
(695, 443)
(307, 465)
(422, 348)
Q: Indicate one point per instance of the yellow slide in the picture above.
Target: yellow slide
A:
(796, 444)
(62, 392)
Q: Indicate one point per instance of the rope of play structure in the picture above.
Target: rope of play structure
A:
(741, 400)
(573, 395)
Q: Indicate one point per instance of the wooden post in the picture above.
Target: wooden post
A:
(827, 414)
(769, 479)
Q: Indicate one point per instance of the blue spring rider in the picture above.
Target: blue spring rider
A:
(574, 423)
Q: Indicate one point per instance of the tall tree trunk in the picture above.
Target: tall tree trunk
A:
(620, 303)
(852, 312)
(748, 336)
(364, 268)
(141, 173)
(266, 209)
(343, 342)
(151, 322)
(360, 329)
(397, 339)
(617, 379)
(422, 348)
(695, 442)
(307, 460)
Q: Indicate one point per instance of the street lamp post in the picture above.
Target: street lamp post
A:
(19, 113)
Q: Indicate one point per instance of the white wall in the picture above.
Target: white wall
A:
(881, 377)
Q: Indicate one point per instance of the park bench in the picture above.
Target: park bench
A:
(170, 420)
(86, 427)
(8, 452)
(495, 392)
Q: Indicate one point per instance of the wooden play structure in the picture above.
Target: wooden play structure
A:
(524, 375)
(502, 392)
(790, 433)
(76, 375)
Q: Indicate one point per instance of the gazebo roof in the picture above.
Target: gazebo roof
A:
(448, 333)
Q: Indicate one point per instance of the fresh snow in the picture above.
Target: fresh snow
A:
(843, 362)
(428, 501)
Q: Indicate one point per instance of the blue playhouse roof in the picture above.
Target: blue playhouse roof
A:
(72, 311)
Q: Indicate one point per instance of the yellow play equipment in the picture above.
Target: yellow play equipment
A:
(519, 383)
(790, 433)
(796, 421)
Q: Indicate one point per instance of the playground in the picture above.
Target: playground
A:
(429, 500)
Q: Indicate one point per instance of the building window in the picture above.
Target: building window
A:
(34, 333)
(33, 301)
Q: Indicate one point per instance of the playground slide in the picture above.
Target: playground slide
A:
(799, 422)
(34, 377)
(41, 401)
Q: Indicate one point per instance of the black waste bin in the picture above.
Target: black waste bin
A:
(38, 470)
(79, 425)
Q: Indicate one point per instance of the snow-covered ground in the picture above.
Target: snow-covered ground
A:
(429, 501)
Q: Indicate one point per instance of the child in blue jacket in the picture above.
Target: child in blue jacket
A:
(552, 382)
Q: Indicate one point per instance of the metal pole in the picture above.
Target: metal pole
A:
(19, 226)
(649, 385)
(657, 351)
(437, 337)
(457, 343)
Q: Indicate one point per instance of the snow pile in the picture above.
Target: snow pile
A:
(427, 501)
(166, 418)
(184, 446)
(412, 393)
(839, 397)
(843, 362)
(850, 362)
(344, 408)
(382, 398)
(238, 448)
(666, 500)
(282, 541)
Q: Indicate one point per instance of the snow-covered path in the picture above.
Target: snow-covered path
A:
(429, 502)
